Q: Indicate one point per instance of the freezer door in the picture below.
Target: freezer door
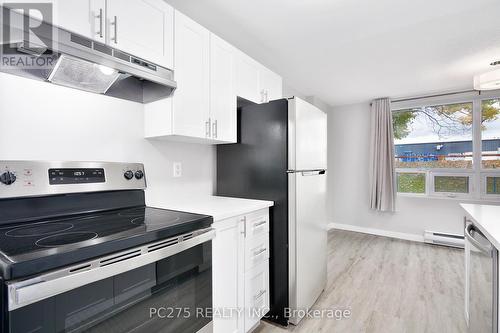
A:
(307, 138)
(307, 239)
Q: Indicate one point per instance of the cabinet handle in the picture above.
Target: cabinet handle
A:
(267, 97)
(260, 224)
(214, 129)
(115, 24)
(258, 253)
(207, 128)
(100, 17)
(259, 295)
(244, 232)
(262, 96)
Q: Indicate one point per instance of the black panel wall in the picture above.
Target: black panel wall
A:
(255, 168)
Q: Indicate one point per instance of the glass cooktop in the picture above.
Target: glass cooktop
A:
(27, 241)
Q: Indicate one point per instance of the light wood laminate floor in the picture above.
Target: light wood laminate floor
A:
(389, 285)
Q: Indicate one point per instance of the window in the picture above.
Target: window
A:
(437, 136)
(451, 184)
(444, 149)
(490, 133)
(493, 185)
(411, 182)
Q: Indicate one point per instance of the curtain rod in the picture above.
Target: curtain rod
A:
(431, 96)
(436, 95)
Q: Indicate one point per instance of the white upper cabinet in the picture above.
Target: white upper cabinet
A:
(210, 75)
(271, 85)
(247, 78)
(222, 90)
(204, 104)
(142, 28)
(255, 82)
(83, 17)
(191, 100)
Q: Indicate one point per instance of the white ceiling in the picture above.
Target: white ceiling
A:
(348, 51)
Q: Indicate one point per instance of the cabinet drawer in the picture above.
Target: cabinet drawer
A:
(256, 294)
(256, 250)
(257, 224)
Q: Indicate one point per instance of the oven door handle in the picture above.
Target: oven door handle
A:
(468, 234)
(26, 292)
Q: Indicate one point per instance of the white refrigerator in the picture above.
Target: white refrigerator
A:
(307, 232)
(281, 155)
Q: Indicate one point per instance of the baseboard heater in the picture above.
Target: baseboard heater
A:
(444, 239)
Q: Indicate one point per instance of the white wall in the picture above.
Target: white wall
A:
(348, 158)
(41, 121)
(289, 91)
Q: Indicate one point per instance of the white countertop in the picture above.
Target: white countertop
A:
(219, 207)
(487, 219)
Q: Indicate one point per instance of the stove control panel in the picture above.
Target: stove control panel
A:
(76, 176)
(36, 178)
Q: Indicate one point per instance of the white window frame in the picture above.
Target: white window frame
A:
(477, 174)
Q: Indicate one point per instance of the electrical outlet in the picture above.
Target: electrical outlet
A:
(177, 169)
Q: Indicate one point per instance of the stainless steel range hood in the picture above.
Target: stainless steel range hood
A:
(78, 62)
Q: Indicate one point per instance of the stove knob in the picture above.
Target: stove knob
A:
(128, 175)
(7, 178)
(139, 174)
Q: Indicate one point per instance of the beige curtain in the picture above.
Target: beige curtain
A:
(382, 175)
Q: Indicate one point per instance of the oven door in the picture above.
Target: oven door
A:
(161, 287)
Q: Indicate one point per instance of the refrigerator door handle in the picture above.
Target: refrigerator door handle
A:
(312, 172)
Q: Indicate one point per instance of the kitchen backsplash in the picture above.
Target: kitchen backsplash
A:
(47, 122)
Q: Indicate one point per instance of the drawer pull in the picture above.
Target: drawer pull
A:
(258, 253)
(259, 295)
(260, 224)
(244, 232)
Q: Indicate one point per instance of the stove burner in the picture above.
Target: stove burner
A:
(133, 212)
(39, 229)
(66, 238)
(140, 220)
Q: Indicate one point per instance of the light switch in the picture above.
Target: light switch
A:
(177, 169)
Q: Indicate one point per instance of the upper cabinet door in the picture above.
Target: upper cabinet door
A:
(271, 85)
(143, 28)
(192, 69)
(222, 91)
(247, 78)
(83, 17)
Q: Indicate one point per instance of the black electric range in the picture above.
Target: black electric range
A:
(80, 234)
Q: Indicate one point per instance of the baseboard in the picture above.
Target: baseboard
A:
(377, 232)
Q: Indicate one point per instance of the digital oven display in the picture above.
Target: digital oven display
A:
(76, 176)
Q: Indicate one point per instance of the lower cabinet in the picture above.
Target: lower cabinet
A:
(256, 294)
(241, 272)
(228, 256)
